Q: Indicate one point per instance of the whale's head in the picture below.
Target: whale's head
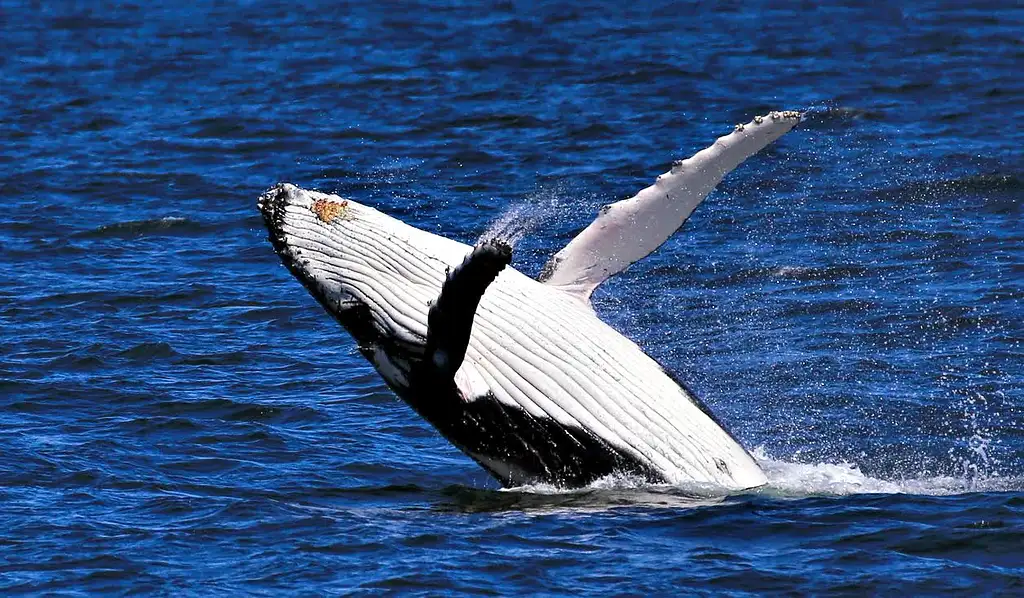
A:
(373, 273)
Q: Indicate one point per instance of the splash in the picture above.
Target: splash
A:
(526, 215)
(613, 481)
(611, 491)
(789, 479)
(973, 453)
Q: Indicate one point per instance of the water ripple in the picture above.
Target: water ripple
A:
(179, 416)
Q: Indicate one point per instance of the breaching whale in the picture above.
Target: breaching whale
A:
(521, 374)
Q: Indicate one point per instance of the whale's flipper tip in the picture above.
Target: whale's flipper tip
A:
(629, 230)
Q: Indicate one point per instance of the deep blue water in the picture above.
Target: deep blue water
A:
(178, 416)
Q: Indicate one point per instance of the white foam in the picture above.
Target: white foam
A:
(839, 479)
(798, 480)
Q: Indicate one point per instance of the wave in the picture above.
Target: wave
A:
(940, 188)
(168, 225)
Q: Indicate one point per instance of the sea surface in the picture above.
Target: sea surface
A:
(179, 417)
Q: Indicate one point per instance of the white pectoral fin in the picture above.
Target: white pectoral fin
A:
(631, 229)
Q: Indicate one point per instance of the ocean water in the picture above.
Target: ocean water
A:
(179, 417)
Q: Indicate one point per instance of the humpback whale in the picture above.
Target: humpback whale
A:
(521, 374)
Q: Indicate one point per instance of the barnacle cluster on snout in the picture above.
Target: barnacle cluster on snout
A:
(328, 211)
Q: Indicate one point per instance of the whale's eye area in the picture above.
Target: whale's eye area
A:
(328, 211)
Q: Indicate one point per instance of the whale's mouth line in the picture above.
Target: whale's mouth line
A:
(272, 205)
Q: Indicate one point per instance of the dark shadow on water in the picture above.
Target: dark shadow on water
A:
(464, 499)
